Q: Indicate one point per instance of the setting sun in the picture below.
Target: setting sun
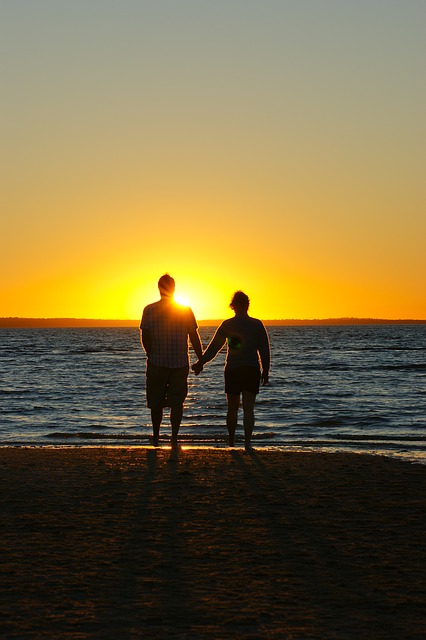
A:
(285, 170)
(182, 301)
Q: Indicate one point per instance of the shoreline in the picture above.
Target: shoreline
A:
(140, 542)
(411, 457)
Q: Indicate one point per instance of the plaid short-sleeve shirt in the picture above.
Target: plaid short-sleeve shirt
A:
(168, 325)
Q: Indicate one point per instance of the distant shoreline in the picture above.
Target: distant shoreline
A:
(52, 323)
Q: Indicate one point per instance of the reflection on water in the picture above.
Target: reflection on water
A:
(358, 388)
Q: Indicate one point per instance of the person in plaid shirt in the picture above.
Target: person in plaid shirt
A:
(164, 329)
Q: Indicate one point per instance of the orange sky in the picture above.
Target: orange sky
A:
(272, 147)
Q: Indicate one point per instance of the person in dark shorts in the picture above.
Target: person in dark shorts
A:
(164, 330)
(247, 363)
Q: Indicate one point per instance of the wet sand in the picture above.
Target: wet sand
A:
(210, 543)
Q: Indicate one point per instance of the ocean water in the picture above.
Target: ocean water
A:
(350, 388)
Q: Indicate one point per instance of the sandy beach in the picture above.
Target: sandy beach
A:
(210, 543)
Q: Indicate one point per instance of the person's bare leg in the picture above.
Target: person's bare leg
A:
(248, 408)
(176, 414)
(156, 418)
(232, 416)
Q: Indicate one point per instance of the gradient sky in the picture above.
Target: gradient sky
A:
(274, 146)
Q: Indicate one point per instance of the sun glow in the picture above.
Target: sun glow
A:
(89, 226)
(207, 297)
(182, 301)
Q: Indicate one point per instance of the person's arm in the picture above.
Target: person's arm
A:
(215, 345)
(194, 336)
(146, 340)
(265, 355)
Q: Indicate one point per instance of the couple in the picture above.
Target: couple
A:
(164, 330)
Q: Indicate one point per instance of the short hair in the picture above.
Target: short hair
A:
(240, 300)
(166, 285)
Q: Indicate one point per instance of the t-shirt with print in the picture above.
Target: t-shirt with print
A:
(246, 339)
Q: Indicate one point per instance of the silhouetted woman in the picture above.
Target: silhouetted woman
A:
(247, 363)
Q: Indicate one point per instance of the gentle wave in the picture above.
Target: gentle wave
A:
(347, 387)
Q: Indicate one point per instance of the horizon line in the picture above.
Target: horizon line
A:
(69, 322)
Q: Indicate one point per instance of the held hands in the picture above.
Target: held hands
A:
(197, 367)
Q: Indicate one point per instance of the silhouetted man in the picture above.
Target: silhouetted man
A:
(248, 342)
(164, 330)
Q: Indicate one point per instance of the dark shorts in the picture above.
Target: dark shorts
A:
(242, 379)
(166, 387)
